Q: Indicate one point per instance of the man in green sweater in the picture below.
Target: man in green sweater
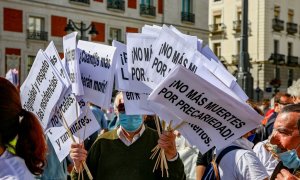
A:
(124, 153)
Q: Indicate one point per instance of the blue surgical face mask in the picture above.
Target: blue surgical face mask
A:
(290, 159)
(130, 123)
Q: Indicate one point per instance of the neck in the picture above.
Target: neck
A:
(2, 149)
(130, 135)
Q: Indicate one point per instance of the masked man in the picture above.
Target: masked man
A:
(280, 155)
(124, 153)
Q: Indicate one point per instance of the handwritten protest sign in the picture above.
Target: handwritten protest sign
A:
(42, 88)
(54, 58)
(169, 50)
(67, 105)
(85, 126)
(217, 119)
(121, 72)
(139, 52)
(97, 66)
(69, 43)
(136, 103)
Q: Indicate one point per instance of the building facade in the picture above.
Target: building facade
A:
(273, 41)
(29, 25)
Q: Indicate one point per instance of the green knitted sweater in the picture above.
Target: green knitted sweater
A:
(110, 159)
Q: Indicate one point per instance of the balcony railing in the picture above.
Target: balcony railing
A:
(37, 35)
(237, 25)
(277, 24)
(217, 28)
(147, 10)
(277, 58)
(81, 1)
(292, 60)
(291, 28)
(116, 5)
(187, 17)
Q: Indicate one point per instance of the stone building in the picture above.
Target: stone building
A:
(29, 25)
(274, 40)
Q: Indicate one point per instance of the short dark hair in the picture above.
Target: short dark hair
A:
(292, 108)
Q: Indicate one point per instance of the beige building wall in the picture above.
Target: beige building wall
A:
(260, 40)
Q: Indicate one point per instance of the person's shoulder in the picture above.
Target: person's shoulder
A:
(151, 132)
(259, 147)
(110, 135)
(15, 168)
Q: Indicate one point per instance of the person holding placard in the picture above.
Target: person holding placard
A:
(29, 153)
(124, 153)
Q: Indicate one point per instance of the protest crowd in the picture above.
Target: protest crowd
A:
(161, 106)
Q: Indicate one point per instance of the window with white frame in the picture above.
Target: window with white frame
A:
(115, 34)
(30, 60)
(36, 24)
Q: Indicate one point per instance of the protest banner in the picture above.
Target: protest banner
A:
(136, 103)
(54, 58)
(67, 105)
(81, 129)
(139, 52)
(42, 88)
(121, 72)
(209, 54)
(216, 117)
(13, 76)
(191, 40)
(169, 50)
(151, 30)
(199, 45)
(97, 66)
(163, 113)
(223, 75)
(69, 43)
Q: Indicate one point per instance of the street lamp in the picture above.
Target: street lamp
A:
(244, 78)
(71, 26)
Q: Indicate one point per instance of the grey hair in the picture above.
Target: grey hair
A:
(294, 89)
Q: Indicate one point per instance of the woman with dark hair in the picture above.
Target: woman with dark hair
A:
(17, 123)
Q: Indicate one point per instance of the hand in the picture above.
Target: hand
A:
(78, 154)
(167, 142)
(285, 175)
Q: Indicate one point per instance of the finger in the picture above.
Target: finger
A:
(165, 143)
(167, 138)
(78, 150)
(78, 159)
(168, 133)
(285, 172)
(77, 155)
(75, 145)
(279, 176)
